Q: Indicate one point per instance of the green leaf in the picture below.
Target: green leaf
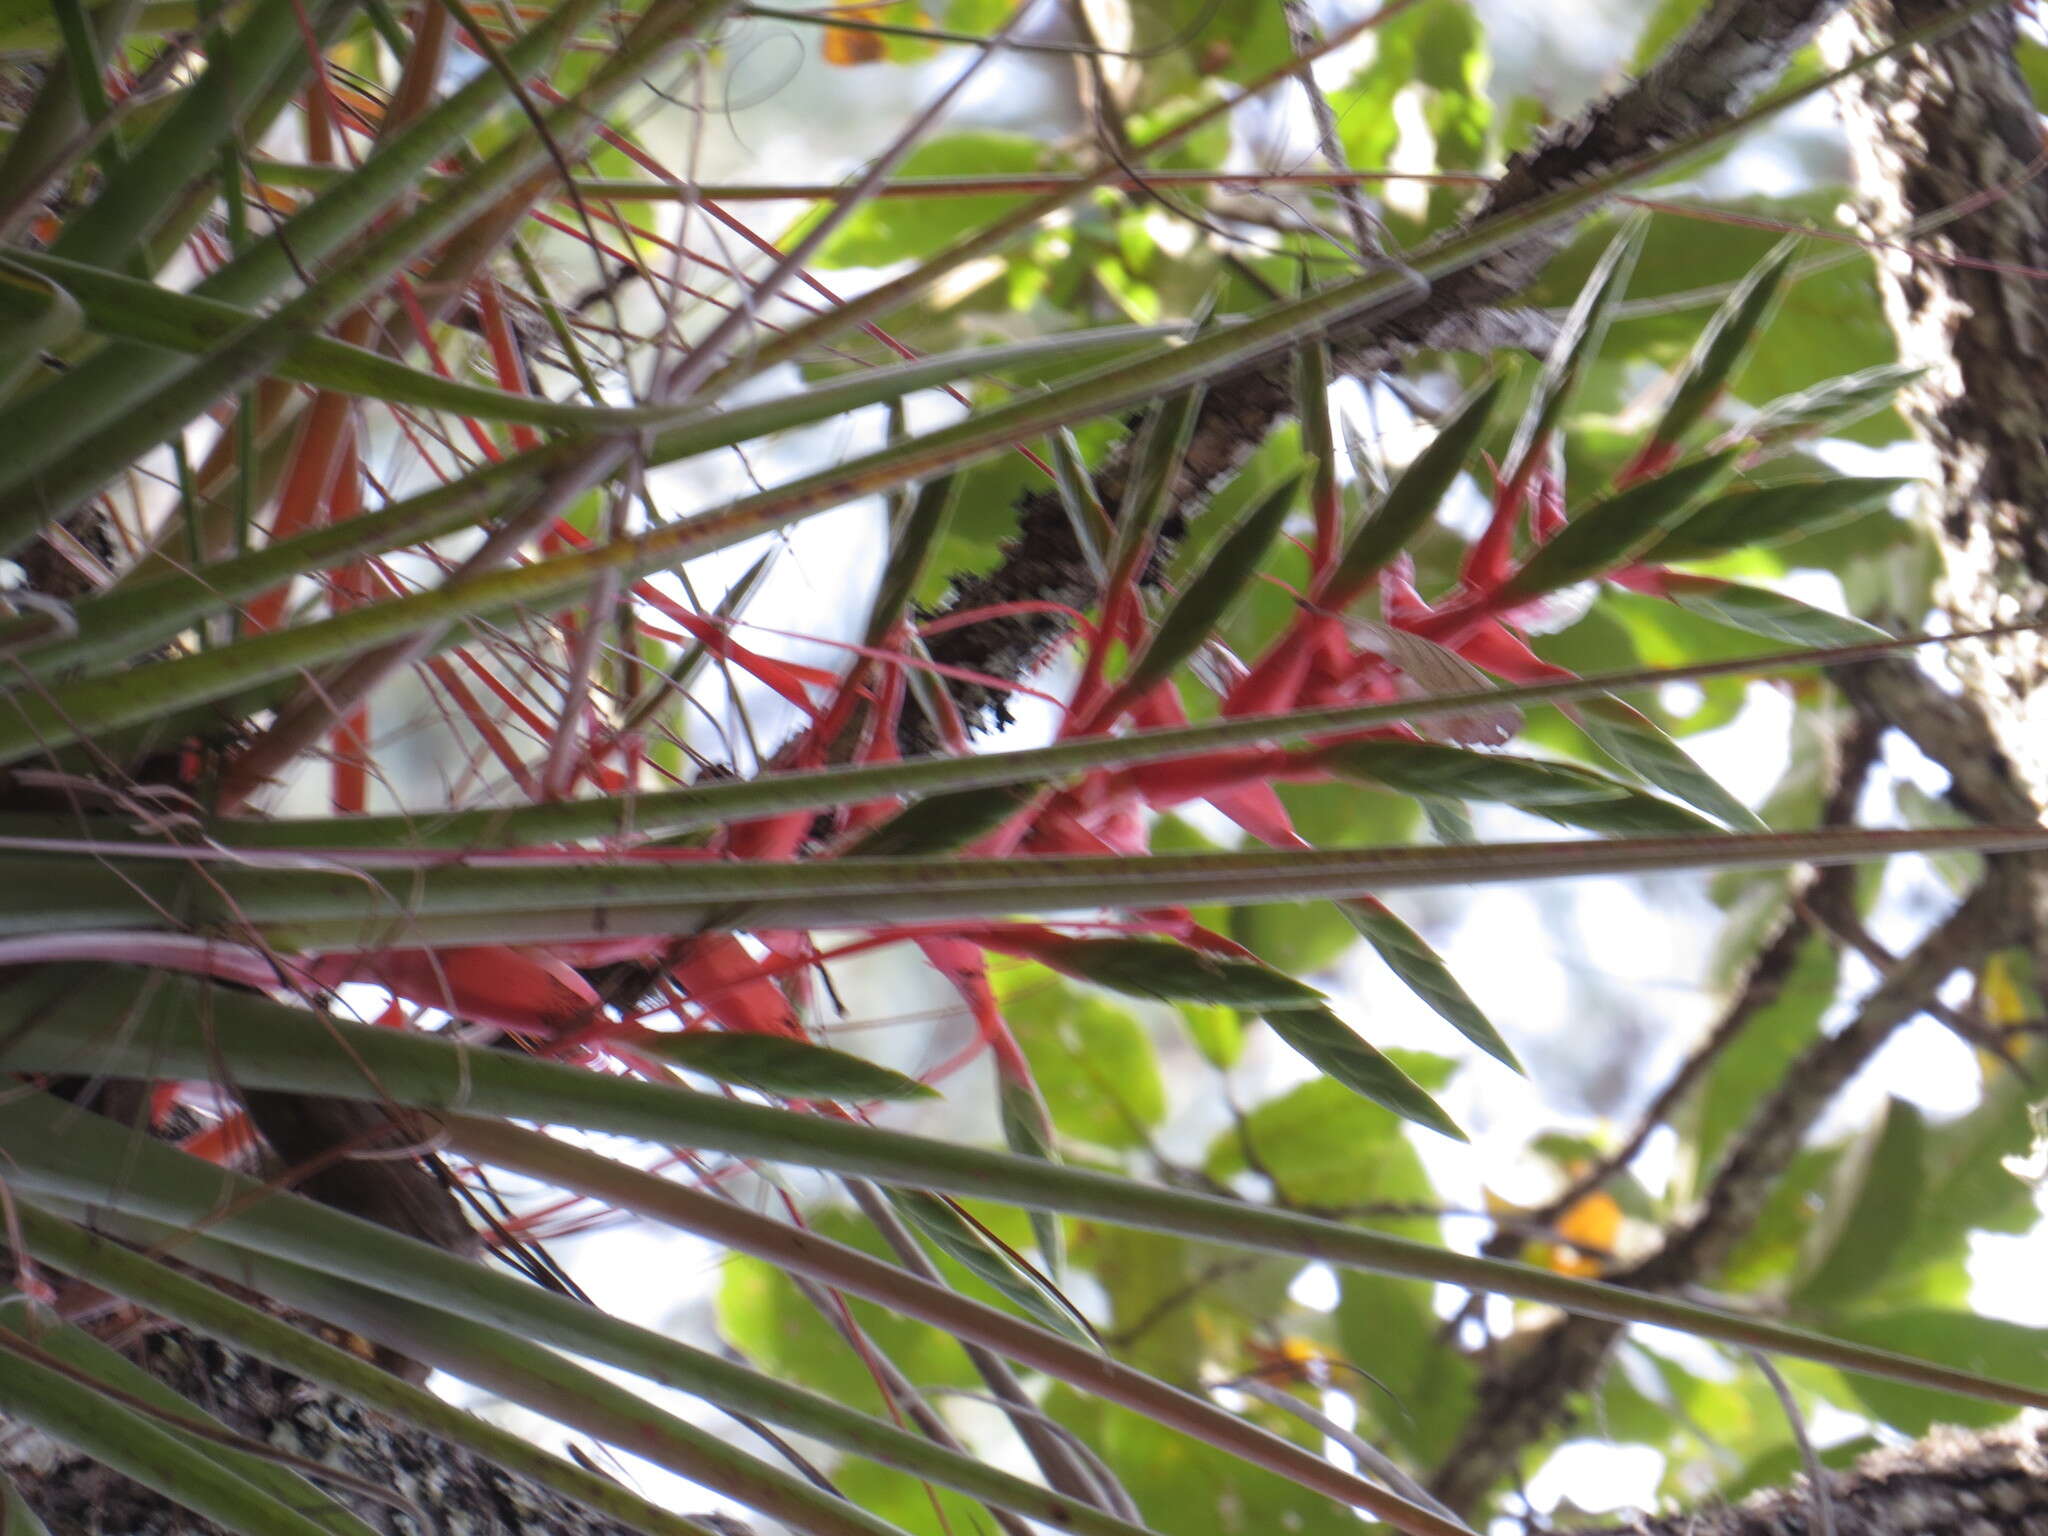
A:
(1723, 344)
(1217, 1032)
(982, 1254)
(1171, 972)
(1333, 1047)
(1187, 1488)
(1411, 501)
(1578, 342)
(1665, 23)
(1299, 937)
(1756, 1061)
(1985, 1345)
(1868, 1212)
(1777, 1466)
(1829, 321)
(36, 316)
(1028, 1131)
(1614, 531)
(1760, 611)
(889, 230)
(164, 319)
(1825, 408)
(1200, 604)
(1409, 956)
(139, 1025)
(795, 1069)
(1418, 1391)
(1562, 792)
(1324, 1146)
(1774, 514)
(1965, 1184)
(121, 1271)
(1628, 737)
(943, 823)
(1089, 1056)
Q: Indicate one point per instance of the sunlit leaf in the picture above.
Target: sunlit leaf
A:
(1334, 1047)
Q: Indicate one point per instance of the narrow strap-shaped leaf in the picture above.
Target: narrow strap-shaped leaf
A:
(1563, 792)
(112, 304)
(1336, 1049)
(167, 1183)
(135, 1025)
(1616, 529)
(66, 457)
(1578, 342)
(1825, 408)
(1770, 514)
(36, 316)
(1201, 604)
(1162, 444)
(1163, 970)
(366, 904)
(910, 551)
(1093, 530)
(1633, 740)
(655, 812)
(1422, 970)
(266, 48)
(1319, 444)
(98, 1162)
(1413, 498)
(511, 1366)
(1028, 1132)
(990, 1260)
(944, 823)
(1448, 820)
(124, 1272)
(1722, 345)
(1760, 611)
(795, 1069)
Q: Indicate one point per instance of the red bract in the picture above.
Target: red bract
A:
(518, 989)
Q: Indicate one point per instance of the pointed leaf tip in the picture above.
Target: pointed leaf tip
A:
(1333, 1046)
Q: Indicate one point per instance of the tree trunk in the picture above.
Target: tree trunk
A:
(1947, 151)
(1950, 1484)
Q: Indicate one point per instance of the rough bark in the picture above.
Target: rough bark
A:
(1947, 152)
(446, 1491)
(1950, 1484)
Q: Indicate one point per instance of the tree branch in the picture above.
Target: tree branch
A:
(1990, 1484)
(1518, 1405)
(1930, 131)
(1731, 53)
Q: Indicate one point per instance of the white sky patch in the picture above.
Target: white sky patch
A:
(2005, 1275)
(1315, 1289)
(1414, 154)
(1598, 1477)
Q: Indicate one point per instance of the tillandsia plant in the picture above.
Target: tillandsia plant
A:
(362, 373)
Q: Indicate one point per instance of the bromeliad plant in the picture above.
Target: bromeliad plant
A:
(252, 253)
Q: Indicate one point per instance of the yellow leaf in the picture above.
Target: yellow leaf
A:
(1999, 988)
(844, 46)
(1591, 1226)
